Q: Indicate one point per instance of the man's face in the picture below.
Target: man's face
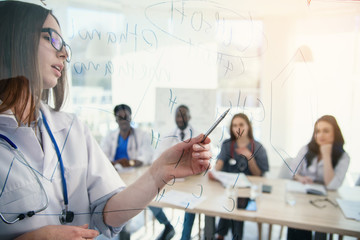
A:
(182, 118)
(123, 119)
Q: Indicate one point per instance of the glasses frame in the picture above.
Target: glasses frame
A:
(315, 202)
(121, 118)
(68, 50)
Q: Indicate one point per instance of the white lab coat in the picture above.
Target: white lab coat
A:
(139, 145)
(88, 173)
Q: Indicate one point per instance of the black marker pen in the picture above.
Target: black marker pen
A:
(215, 124)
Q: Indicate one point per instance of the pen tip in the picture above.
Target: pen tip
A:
(225, 113)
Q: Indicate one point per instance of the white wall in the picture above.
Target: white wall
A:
(304, 91)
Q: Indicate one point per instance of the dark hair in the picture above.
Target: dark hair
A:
(20, 77)
(337, 148)
(243, 116)
(183, 106)
(121, 107)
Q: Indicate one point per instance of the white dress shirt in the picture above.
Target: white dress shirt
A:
(173, 138)
(316, 170)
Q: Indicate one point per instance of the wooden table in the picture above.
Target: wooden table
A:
(271, 207)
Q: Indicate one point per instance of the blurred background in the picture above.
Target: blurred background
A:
(285, 63)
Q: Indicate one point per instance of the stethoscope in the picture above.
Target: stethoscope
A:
(12, 147)
(243, 164)
(66, 216)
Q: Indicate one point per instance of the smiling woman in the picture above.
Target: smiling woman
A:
(15, 63)
(52, 42)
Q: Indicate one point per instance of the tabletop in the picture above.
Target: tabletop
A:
(272, 207)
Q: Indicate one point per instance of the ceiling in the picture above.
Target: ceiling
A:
(257, 8)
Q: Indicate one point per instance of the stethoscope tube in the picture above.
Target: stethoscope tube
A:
(21, 216)
(66, 215)
(8, 141)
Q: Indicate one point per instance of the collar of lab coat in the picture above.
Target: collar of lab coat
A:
(62, 121)
(8, 118)
(49, 163)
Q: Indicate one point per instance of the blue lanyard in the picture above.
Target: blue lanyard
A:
(66, 201)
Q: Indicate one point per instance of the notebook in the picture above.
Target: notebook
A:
(316, 189)
(236, 180)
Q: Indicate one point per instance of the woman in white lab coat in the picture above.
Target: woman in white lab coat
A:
(58, 184)
(324, 161)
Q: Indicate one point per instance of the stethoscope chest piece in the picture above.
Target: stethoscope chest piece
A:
(242, 165)
(232, 162)
(66, 216)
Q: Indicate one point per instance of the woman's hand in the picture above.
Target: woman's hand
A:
(325, 151)
(325, 155)
(186, 158)
(244, 151)
(303, 179)
(60, 232)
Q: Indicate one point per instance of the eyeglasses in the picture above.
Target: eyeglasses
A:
(315, 202)
(123, 117)
(58, 42)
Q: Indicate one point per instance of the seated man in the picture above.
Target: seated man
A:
(127, 146)
(182, 132)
